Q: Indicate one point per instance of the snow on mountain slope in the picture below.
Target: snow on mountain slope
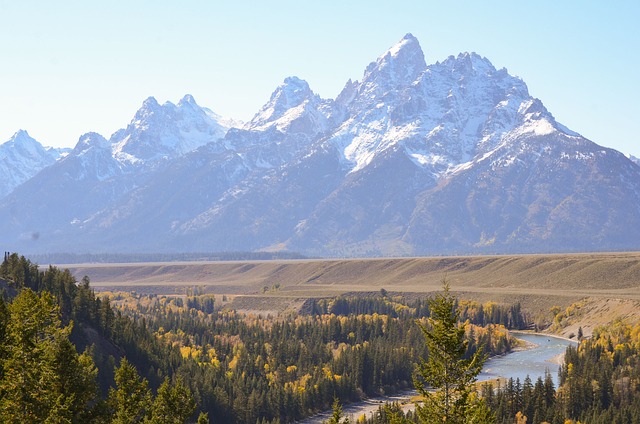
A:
(442, 115)
(282, 132)
(453, 119)
(286, 126)
(403, 127)
(21, 157)
(369, 128)
(92, 159)
(295, 110)
(452, 157)
(166, 131)
(100, 175)
(537, 192)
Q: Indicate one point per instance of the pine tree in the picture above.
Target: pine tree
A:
(131, 399)
(203, 418)
(446, 371)
(172, 405)
(44, 378)
(75, 379)
(336, 417)
(4, 323)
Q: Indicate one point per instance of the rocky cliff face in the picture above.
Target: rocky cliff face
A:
(453, 157)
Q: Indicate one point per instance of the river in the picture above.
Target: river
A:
(540, 356)
(533, 362)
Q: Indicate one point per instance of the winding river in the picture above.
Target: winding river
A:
(542, 355)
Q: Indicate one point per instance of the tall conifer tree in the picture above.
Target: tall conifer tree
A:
(445, 379)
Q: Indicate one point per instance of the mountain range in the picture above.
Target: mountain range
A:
(21, 157)
(454, 157)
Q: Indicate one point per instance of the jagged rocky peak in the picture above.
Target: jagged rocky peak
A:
(150, 103)
(471, 66)
(89, 140)
(348, 93)
(21, 157)
(188, 109)
(21, 136)
(22, 145)
(398, 66)
(168, 130)
(151, 112)
(187, 100)
(532, 110)
(23, 141)
(468, 63)
(149, 106)
(292, 93)
(22, 148)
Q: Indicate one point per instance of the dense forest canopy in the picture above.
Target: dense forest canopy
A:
(224, 366)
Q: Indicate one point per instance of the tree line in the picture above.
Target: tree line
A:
(75, 258)
(599, 383)
(236, 368)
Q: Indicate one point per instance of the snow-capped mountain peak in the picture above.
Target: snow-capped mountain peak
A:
(454, 157)
(90, 140)
(295, 108)
(442, 115)
(398, 66)
(149, 105)
(292, 93)
(166, 131)
(22, 144)
(187, 100)
(21, 157)
(21, 136)
(470, 62)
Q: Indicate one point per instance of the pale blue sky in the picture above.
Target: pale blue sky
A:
(69, 67)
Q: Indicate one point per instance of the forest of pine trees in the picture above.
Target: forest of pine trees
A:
(183, 359)
(44, 378)
(599, 383)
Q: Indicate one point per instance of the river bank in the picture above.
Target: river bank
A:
(557, 359)
(534, 358)
(544, 353)
(366, 407)
(537, 333)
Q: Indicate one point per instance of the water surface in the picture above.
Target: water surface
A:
(533, 362)
(518, 364)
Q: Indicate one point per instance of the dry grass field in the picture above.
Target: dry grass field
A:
(610, 281)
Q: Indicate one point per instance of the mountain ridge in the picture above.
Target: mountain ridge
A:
(21, 157)
(452, 157)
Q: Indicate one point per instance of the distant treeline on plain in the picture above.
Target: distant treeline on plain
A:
(76, 258)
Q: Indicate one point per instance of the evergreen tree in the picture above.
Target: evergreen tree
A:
(131, 399)
(336, 417)
(4, 322)
(44, 378)
(446, 371)
(203, 418)
(172, 405)
(75, 380)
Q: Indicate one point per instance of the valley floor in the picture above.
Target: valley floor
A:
(603, 285)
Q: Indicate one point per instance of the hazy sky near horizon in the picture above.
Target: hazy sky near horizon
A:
(70, 67)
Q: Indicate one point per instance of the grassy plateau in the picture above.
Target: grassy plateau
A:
(600, 287)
